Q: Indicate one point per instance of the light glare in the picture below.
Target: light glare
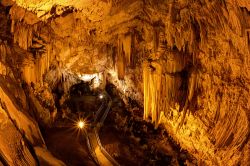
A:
(96, 78)
(81, 124)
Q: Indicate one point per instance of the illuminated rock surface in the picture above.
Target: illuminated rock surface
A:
(186, 63)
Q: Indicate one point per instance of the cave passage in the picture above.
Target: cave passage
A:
(73, 144)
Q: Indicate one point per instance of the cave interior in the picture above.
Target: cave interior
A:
(124, 82)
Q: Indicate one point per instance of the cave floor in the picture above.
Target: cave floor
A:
(129, 148)
(68, 145)
(125, 136)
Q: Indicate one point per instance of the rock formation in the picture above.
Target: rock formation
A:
(186, 62)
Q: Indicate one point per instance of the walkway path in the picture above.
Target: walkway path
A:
(100, 155)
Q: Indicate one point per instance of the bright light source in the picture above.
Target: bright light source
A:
(88, 77)
(100, 96)
(81, 124)
(95, 79)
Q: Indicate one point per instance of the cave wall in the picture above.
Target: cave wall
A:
(214, 36)
(203, 45)
(19, 130)
(21, 142)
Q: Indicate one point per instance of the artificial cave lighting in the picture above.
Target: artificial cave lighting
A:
(96, 79)
(88, 77)
(101, 96)
(81, 124)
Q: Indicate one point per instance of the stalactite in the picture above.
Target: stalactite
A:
(23, 34)
(124, 51)
(12, 29)
(146, 91)
(113, 52)
(3, 55)
(152, 78)
(192, 85)
(126, 43)
(156, 37)
(3, 51)
(248, 39)
(34, 69)
(163, 80)
(28, 71)
(134, 56)
(120, 60)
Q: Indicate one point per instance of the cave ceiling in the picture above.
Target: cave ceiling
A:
(79, 31)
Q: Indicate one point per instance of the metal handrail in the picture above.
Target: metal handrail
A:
(103, 150)
(105, 113)
(92, 152)
(99, 110)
